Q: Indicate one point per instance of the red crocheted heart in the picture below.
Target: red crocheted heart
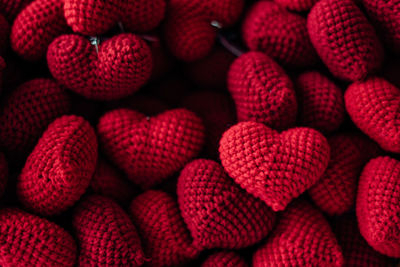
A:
(344, 39)
(218, 213)
(105, 234)
(262, 91)
(36, 27)
(378, 205)
(188, 30)
(166, 240)
(297, 5)
(3, 173)
(275, 167)
(224, 259)
(94, 17)
(27, 240)
(4, 33)
(321, 102)
(122, 65)
(59, 169)
(283, 35)
(26, 113)
(10, 8)
(150, 150)
(374, 106)
(302, 237)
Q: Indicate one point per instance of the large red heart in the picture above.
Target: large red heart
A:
(150, 150)
(166, 240)
(275, 167)
(122, 65)
(218, 213)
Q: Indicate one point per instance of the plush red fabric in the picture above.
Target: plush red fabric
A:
(344, 39)
(262, 91)
(224, 259)
(271, 29)
(26, 113)
(166, 240)
(275, 167)
(374, 107)
(218, 213)
(150, 150)
(60, 167)
(36, 27)
(297, 5)
(321, 103)
(4, 34)
(105, 234)
(378, 205)
(11, 8)
(3, 173)
(302, 237)
(27, 240)
(122, 65)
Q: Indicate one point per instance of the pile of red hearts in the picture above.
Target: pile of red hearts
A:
(214, 133)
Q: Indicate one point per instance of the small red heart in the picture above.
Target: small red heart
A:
(166, 240)
(105, 234)
(224, 259)
(374, 107)
(297, 5)
(3, 173)
(275, 167)
(302, 237)
(218, 213)
(262, 91)
(150, 149)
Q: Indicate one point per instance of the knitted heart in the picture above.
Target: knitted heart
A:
(344, 39)
(122, 65)
(59, 169)
(188, 30)
(94, 17)
(10, 8)
(283, 35)
(26, 113)
(166, 240)
(321, 102)
(224, 259)
(36, 27)
(297, 5)
(3, 173)
(356, 251)
(378, 205)
(4, 33)
(105, 234)
(374, 106)
(275, 167)
(218, 213)
(27, 240)
(150, 150)
(386, 15)
(262, 91)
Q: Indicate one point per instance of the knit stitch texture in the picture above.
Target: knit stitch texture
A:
(297, 5)
(225, 259)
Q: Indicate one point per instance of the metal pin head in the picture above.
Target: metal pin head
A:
(94, 40)
(216, 24)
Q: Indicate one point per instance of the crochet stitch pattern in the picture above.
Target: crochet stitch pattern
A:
(59, 169)
(28, 240)
(150, 149)
(166, 240)
(225, 259)
(10, 8)
(105, 234)
(297, 5)
(378, 205)
(218, 213)
(275, 167)
(262, 91)
(3, 173)
(122, 65)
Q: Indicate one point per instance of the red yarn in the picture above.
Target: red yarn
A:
(262, 91)
(91, 17)
(59, 169)
(3, 173)
(105, 234)
(218, 213)
(297, 5)
(10, 8)
(378, 205)
(150, 150)
(373, 105)
(36, 27)
(26, 113)
(302, 237)
(27, 240)
(344, 39)
(321, 102)
(122, 65)
(271, 29)
(4, 34)
(166, 240)
(224, 259)
(275, 167)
